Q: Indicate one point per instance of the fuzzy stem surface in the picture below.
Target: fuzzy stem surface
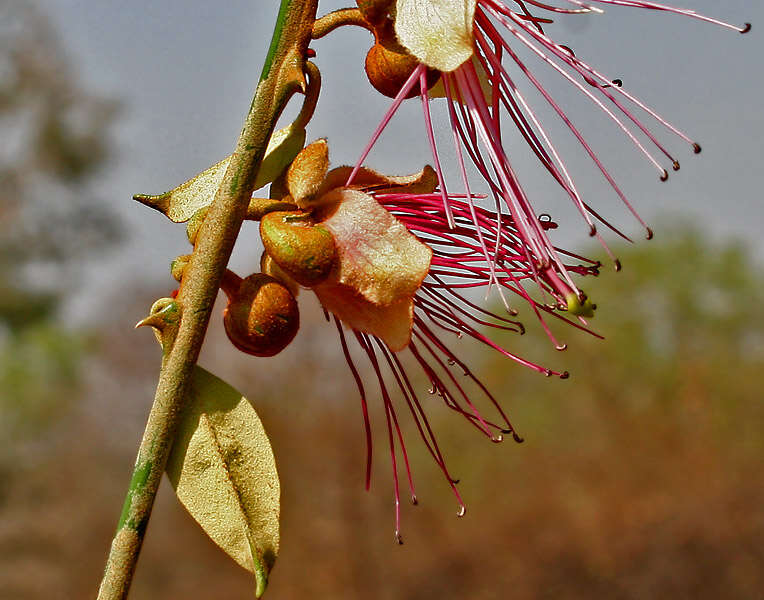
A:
(282, 76)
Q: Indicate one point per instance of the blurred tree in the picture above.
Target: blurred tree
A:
(55, 136)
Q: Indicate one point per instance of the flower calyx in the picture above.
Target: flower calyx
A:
(379, 268)
(376, 12)
(303, 249)
(361, 262)
(261, 317)
(307, 172)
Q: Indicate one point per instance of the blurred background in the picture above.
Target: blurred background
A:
(640, 477)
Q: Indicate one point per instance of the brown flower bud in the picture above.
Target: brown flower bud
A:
(262, 316)
(303, 249)
(374, 11)
(389, 65)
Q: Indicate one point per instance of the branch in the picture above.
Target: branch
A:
(282, 76)
(338, 18)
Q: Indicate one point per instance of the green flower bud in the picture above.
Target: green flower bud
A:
(304, 250)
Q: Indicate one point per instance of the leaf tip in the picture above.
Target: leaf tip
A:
(160, 202)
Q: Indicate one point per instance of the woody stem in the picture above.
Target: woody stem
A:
(338, 18)
(282, 76)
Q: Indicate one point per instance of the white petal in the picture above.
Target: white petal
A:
(437, 32)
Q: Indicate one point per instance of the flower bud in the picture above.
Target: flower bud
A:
(389, 65)
(303, 249)
(262, 316)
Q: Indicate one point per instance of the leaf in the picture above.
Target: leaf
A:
(223, 471)
(181, 203)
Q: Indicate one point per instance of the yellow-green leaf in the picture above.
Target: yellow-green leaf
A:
(224, 473)
(181, 203)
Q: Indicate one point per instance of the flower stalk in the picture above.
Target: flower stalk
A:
(282, 76)
(344, 16)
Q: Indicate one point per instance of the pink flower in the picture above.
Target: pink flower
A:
(394, 274)
(441, 309)
(472, 43)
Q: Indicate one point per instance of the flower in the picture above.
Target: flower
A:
(508, 248)
(473, 44)
(440, 308)
(399, 270)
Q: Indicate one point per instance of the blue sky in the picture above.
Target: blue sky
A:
(186, 69)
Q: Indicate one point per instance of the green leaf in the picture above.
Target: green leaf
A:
(181, 203)
(224, 473)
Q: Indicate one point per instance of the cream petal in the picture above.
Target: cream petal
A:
(392, 323)
(376, 255)
(437, 32)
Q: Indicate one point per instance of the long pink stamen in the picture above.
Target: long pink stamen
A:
(670, 9)
(518, 30)
(410, 82)
(383, 349)
(433, 147)
(573, 130)
(365, 343)
(463, 171)
(364, 406)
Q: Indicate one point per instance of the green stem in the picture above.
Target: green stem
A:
(282, 76)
